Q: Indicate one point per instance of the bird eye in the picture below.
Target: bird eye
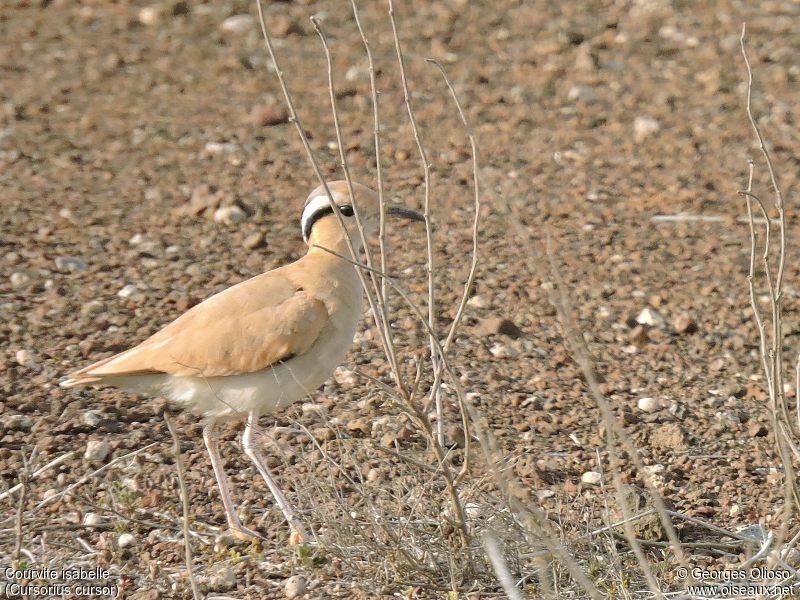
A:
(346, 210)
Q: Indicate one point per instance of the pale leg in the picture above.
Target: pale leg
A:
(250, 445)
(234, 524)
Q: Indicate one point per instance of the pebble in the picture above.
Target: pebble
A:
(478, 301)
(18, 279)
(356, 73)
(591, 478)
(91, 418)
(644, 127)
(229, 215)
(16, 422)
(683, 323)
(70, 264)
(128, 291)
(220, 148)
(498, 325)
(24, 358)
(126, 540)
(97, 450)
(268, 115)
(345, 377)
(295, 587)
(582, 93)
(648, 405)
(359, 425)
(149, 15)
(92, 519)
(254, 240)
(281, 26)
(650, 318)
(500, 350)
(93, 307)
(238, 24)
(222, 579)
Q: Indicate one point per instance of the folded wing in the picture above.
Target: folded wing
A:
(243, 329)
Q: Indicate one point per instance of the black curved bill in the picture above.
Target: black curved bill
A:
(407, 213)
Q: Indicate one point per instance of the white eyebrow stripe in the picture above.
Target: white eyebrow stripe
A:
(314, 205)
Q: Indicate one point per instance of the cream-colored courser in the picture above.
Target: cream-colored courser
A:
(262, 344)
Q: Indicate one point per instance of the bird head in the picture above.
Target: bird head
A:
(319, 223)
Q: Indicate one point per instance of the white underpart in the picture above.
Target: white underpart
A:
(263, 391)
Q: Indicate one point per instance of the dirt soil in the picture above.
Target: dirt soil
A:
(126, 127)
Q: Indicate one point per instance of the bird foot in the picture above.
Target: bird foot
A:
(242, 533)
(299, 537)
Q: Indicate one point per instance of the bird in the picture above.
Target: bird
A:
(262, 344)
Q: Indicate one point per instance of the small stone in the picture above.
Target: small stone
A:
(70, 264)
(499, 350)
(756, 429)
(294, 587)
(16, 422)
(229, 215)
(129, 291)
(678, 410)
(650, 318)
(478, 301)
(345, 377)
(91, 418)
(92, 519)
(373, 475)
(24, 358)
(644, 127)
(584, 58)
(638, 335)
(356, 73)
(126, 540)
(358, 425)
(180, 8)
(454, 436)
(93, 307)
(669, 436)
(591, 478)
(222, 579)
(18, 279)
(498, 325)
(149, 15)
(267, 115)
(648, 405)
(684, 324)
(581, 93)
(215, 148)
(282, 26)
(204, 197)
(238, 24)
(97, 450)
(254, 240)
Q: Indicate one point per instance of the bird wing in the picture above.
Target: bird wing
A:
(246, 328)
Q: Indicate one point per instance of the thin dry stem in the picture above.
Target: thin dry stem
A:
(772, 356)
(19, 525)
(187, 545)
(426, 169)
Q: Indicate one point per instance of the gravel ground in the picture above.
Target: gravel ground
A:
(147, 161)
